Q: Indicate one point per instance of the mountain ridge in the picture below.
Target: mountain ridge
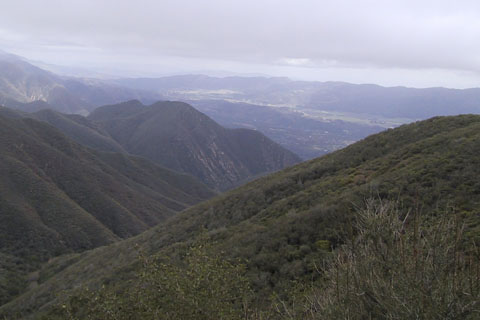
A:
(179, 137)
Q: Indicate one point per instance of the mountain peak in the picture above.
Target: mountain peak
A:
(179, 137)
(6, 56)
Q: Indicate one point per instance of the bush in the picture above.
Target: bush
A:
(398, 269)
(203, 285)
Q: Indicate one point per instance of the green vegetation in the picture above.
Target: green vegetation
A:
(398, 267)
(283, 226)
(58, 197)
(201, 284)
(391, 267)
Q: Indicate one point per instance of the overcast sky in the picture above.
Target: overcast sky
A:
(405, 42)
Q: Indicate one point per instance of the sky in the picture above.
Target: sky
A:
(419, 43)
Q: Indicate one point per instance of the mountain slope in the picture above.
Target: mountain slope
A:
(22, 83)
(57, 196)
(178, 137)
(279, 223)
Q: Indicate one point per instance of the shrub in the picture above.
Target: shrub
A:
(397, 268)
(203, 285)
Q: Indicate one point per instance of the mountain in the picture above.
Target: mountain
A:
(22, 83)
(281, 224)
(57, 197)
(179, 137)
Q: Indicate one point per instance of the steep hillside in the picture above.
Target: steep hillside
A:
(179, 137)
(280, 224)
(57, 196)
(22, 83)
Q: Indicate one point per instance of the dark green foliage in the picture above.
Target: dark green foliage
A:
(179, 137)
(202, 285)
(394, 267)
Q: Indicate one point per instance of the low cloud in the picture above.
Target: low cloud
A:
(414, 35)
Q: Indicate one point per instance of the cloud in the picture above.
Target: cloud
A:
(303, 33)
(296, 62)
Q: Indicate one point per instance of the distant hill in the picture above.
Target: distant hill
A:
(179, 137)
(389, 102)
(243, 85)
(58, 197)
(22, 83)
(279, 224)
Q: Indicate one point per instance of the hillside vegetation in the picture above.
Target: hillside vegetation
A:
(58, 197)
(283, 226)
(395, 267)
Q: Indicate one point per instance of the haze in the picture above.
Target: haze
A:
(411, 43)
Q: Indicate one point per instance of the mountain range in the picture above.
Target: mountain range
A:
(70, 183)
(309, 118)
(96, 191)
(279, 224)
(337, 97)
